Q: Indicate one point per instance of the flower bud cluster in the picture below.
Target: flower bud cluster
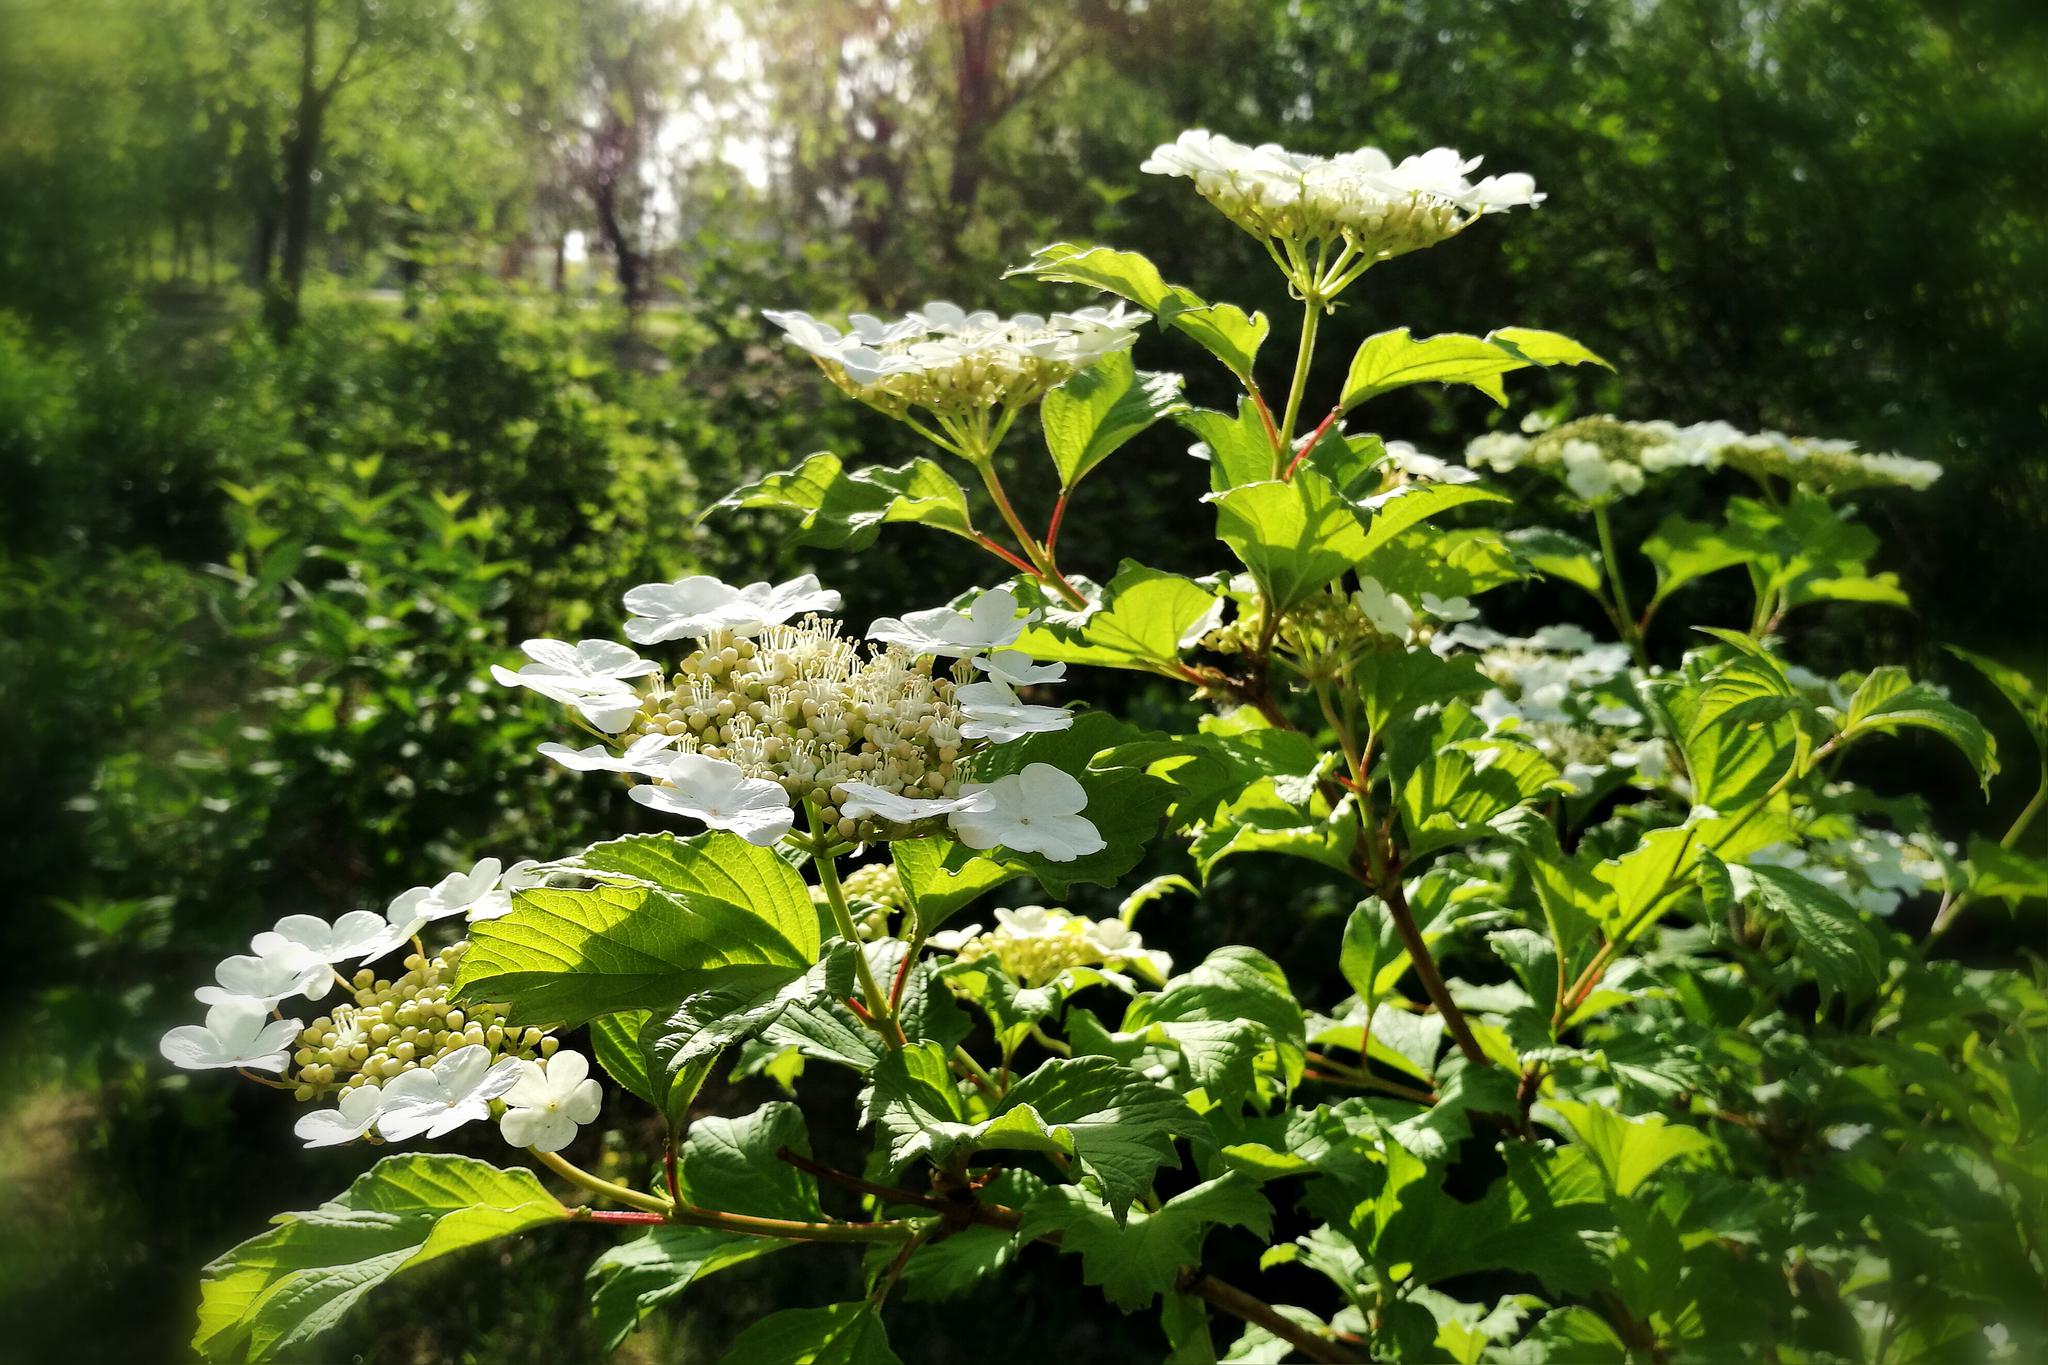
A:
(956, 364)
(394, 1026)
(874, 891)
(804, 707)
(1033, 944)
(1603, 458)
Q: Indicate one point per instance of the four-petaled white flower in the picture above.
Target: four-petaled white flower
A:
(497, 902)
(355, 935)
(643, 755)
(358, 1109)
(993, 712)
(458, 893)
(1389, 612)
(1017, 669)
(548, 1101)
(990, 624)
(1452, 609)
(722, 796)
(591, 675)
(1037, 810)
(275, 968)
(429, 1101)
(694, 607)
(863, 799)
(237, 1032)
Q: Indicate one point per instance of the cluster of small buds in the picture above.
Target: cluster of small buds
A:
(1603, 458)
(804, 707)
(955, 364)
(1034, 943)
(396, 1025)
(874, 891)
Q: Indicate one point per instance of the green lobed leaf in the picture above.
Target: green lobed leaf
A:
(1093, 414)
(681, 1045)
(843, 1334)
(1682, 550)
(1241, 448)
(1630, 1148)
(281, 1291)
(2006, 873)
(941, 877)
(1146, 620)
(1411, 504)
(1136, 1261)
(1461, 563)
(711, 911)
(1836, 945)
(2023, 690)
(1557, 554)
(1243, 989)
(1451, 778)
(843, 510)
(1223, 329)
(1295, 537)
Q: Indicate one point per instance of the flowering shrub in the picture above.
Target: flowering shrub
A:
(1633, 1063)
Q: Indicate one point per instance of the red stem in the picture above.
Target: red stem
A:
(902, 975)
(1314, 437)
(619, 1216)
(994, 548)
(1059, 514)
(1265, 416)
(860, 1010)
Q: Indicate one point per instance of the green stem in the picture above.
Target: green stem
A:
(618, 1194)
(1311, 319)
(1946, 916)
(835, 897)
(977, 1073)
(1041, 562)
(1624, 617)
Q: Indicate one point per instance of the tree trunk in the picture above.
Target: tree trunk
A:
(301, 160)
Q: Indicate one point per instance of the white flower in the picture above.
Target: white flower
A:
(355, 935)
(1416, 465)
(236, 1033)
(548, 1101)
(993, 712)
(722, 796)
(455, 894)
(991, 623)
(1037, 810)
(644, 755)
(1449, 608)
(590, 675)
(432, 1100)
(274, 969)
(497, 903)
(694, 607)
(1017, 669)
(1389, 613)
(1122, 945)
(358, 1109)
(1586, 471)
(944, 356)
(862, 799)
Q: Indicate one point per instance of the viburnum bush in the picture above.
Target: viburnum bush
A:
(1633, 1062)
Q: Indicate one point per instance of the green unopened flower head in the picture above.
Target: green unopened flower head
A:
(393, 1026)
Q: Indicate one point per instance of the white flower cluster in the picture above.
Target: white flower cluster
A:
(1873, 869)
(765, 716)
(953, 363)
(400, 1057)
(1603, 458)
(1562, 689)
(1380, 207)
(1034, 944)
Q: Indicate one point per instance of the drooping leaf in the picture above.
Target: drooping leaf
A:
(682, 1043)
(1556, 554)
(1090, 416)
(2006, 873)
(278, 1293)
(2023, 690)
(1393, 360)
(847, 510)
(1889, 701)
(1241, 449)
(1223, 329)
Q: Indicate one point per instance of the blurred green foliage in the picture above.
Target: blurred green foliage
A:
(252, 575)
